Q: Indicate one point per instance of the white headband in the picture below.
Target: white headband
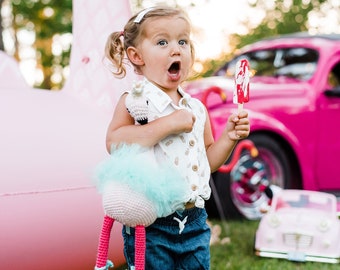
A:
(141, 15)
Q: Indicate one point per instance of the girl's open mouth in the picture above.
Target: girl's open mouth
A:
(174, 70)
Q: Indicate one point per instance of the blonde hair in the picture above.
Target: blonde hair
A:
(118, 42)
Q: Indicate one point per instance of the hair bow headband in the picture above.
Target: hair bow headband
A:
(141, 15)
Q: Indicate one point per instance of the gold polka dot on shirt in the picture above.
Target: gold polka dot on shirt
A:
(194, 168)
(176, 160)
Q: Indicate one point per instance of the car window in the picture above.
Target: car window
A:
(334, 76)
(304, 201)
(298, 63)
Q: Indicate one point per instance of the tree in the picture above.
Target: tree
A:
(279, 17)
(2, 47)
(45, 19)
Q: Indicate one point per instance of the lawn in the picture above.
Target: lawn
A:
(237, 253)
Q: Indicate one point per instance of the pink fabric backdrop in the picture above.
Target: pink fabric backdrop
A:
(50, 142)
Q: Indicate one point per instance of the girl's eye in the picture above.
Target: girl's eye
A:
(162, 42)
(182, 42)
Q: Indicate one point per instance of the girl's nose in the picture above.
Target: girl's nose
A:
(175, 49)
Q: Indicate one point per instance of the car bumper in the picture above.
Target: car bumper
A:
(297, 256)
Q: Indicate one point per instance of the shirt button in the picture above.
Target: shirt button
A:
(191, 142)
(184, 102)
(194, 168)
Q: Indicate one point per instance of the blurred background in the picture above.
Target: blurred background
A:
(38, 33)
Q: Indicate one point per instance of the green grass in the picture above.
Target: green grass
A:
(238, 254)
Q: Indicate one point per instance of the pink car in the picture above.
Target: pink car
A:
(300, 226)
(294, 110)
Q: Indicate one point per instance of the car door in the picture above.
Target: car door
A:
(327, 164)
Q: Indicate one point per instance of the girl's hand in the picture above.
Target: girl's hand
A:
(181, 121)
(238, 126)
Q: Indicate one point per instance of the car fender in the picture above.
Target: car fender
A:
(263, 123)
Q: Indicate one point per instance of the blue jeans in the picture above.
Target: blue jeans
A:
(167, 249)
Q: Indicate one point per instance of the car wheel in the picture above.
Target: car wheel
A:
(242, 193)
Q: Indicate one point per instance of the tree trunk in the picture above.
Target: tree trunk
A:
(2, 47)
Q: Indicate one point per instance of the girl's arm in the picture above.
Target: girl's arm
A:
(122, 128)
(219, 151)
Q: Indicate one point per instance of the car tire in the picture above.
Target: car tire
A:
(232, 198)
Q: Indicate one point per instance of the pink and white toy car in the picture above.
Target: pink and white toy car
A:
(300, 226)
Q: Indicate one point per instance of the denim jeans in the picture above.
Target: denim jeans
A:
(167, 248)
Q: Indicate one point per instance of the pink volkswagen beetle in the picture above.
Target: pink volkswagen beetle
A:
(294, 110)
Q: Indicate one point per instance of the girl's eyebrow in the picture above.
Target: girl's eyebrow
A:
(160, 33)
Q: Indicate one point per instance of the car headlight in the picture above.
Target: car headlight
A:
(274, 221)
(324, 225)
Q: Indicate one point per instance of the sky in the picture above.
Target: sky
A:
(217, 20)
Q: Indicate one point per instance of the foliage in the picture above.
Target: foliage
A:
(283, 17)
(45, 18)
(2, 47)
(280, 17)
(49, 18)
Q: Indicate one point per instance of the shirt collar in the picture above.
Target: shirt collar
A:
(161, 100)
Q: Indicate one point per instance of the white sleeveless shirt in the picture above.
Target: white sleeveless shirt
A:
(186, 150)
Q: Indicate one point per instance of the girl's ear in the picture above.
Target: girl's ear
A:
(134, 56)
